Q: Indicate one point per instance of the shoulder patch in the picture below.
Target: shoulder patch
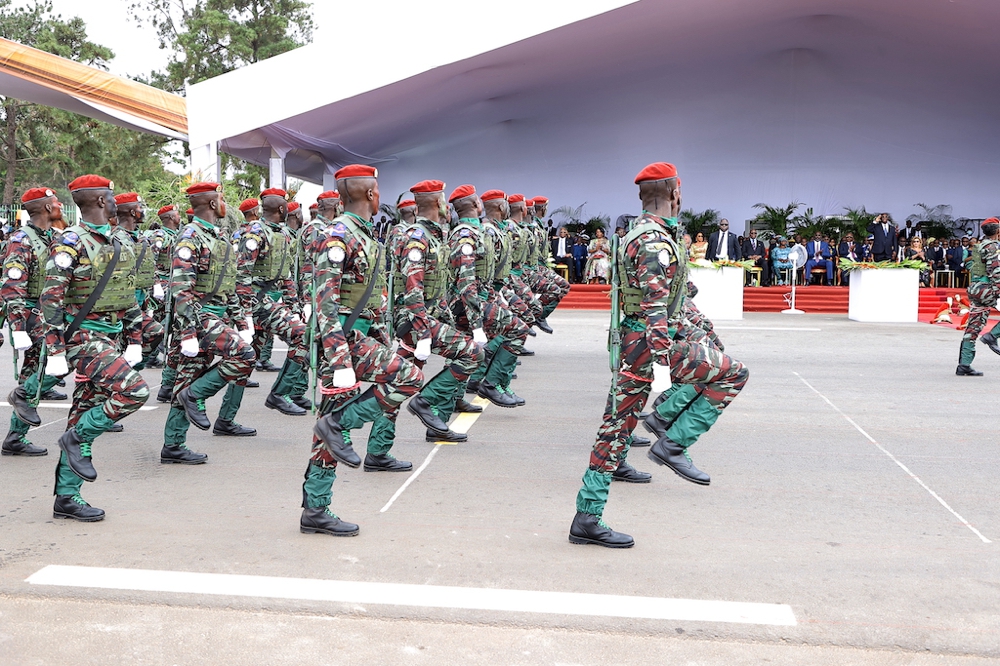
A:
(188, 232)
(19, 237)
(63, 260)
(256, 228)
(464, 233)
(338, 229)
(252, 244)
(69, 238)
(415, 255)
(417, 234)
(184, 252)
(15, 273)
(665, 257)
(336, 254)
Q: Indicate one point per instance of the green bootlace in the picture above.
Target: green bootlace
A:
(79, 500)
(347, 437)
(330, 513)
(85, 449)
(600, 521)
(201, 404)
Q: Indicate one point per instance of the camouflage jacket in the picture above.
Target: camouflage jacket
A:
(193, 257)
(256, 243)
(415, 249)
(309, 234)
(466, 243)
(21, 265)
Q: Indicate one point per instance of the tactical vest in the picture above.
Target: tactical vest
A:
(301, 247)
(529, 252)
(977, 268)
(277, 262)
(503, 262)
(437, 277)
(145, 271)
(630, 298)
(36, 279)
(351, 293)
(119, 294)
(204, 283)
(486, 262)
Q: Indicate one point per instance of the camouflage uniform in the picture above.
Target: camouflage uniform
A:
(267, 290)
(420, 261)
(145, 276)
(76, 262)
(23, 281)
(516, 273)
(984, 289)
(203, 288)
(343, 264)
(652, 271)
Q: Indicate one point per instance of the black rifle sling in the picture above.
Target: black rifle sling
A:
(356, 312)
(96, 294)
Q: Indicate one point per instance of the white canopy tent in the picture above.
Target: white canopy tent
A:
(827, 102)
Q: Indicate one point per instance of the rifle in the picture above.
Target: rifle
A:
(311, 326)
(614, 331)
(17, 357)
(43, 357)
(389, 314)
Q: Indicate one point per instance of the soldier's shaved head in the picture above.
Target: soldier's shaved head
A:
(275, 208)
(661, 197)
(431, 205)
(43, 212)
(469, 206)
(209, 206)
(496, 209)
(360, 195)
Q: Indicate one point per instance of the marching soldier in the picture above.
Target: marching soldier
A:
(23, 281)
(651, 275)
(350, 287)
(984, 288)
(209, 322)
(88, 305)
(250, 208)
(127, 233)
(419, 261)
(559, 287)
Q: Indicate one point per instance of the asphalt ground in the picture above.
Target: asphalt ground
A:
(854, 481)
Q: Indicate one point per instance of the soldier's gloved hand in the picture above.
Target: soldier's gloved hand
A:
(133, 354)
(189, 347)
(661, 378)
(479, 337)
(423, 349)
(246, 335)
(158, 292)
(250, 323)
(307, 311)
(344, 378)
(21, 340)
(56, 365)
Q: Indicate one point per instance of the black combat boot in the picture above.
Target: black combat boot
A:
(386, 463)
(78, 455)
(17, 444)
(53, 394)
(640, 442)
(252, 383)
(450, 436)
(283, 405)
(543, 326)
(323, 521)
(231, 429)
(302, 401)
(495, 395)
(179, 454)
(961, 371)
(525, 352)
(118, 427)
(656, 424)
(990, 341)
(465, 407)
(590, 529)
(267, 366)
(194, 408)
(18, 399)
(419, 407)
(674, 456)
(165, 394)
(629, 474)
(76, 508)
(328, 430)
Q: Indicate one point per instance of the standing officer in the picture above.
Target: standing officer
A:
(984, 288)
(88, 304)
(651, 270)
(209, 321)
(23, 281)
(350, 287)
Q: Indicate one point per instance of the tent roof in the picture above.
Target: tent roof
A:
(36, 76)
(832, 102)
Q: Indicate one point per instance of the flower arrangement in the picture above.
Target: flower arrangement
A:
(848, 265)
(721, 263)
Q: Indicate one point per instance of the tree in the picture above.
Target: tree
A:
(774, 219)
(43, 146)
(211, 37)
(936, 221)
(695, 223)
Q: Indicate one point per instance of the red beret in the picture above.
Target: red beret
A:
(356, 171)
(406, 203)
(461, 192)
(313, 206)
(91, 182)
(166, 209)
(37, 193)
(293, 206)
(248, 204)
(201, 188)
(189, 211)
(128, 197)
(329, 194)
(274, 192)
(515, 198)
(493, 194)
(428, 187)
(989, 220)
(529, 203)
(541, 201)
(656, 171)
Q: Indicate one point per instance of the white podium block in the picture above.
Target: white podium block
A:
(888, 295)
(720, 292)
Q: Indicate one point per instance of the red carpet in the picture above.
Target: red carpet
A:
(813, 300)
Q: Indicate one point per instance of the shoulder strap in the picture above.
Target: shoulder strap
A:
(96, 294)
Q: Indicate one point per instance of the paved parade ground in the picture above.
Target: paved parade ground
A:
(852, 518)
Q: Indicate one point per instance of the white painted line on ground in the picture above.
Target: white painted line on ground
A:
(69, 405)
(895, 460)
(766, 328)
(462, 423)
(406, 484)
(423, 596)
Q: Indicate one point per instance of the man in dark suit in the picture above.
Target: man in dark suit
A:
(818, 251)
(848, 250)
(722, 244)
(755, 251)
(886, 244)
(935, 256)
(562, 250)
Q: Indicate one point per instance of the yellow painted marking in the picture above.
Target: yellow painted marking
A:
(463, 422)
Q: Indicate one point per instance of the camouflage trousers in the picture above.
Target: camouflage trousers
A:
(521, 290)
(279, 319)
(394, 379)
(110, 383)
(719, 379)
(215, 339)
(152, 333)
(547, 291)
(695, 316)
(446, 341)
(28, 372)
(982, 299)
